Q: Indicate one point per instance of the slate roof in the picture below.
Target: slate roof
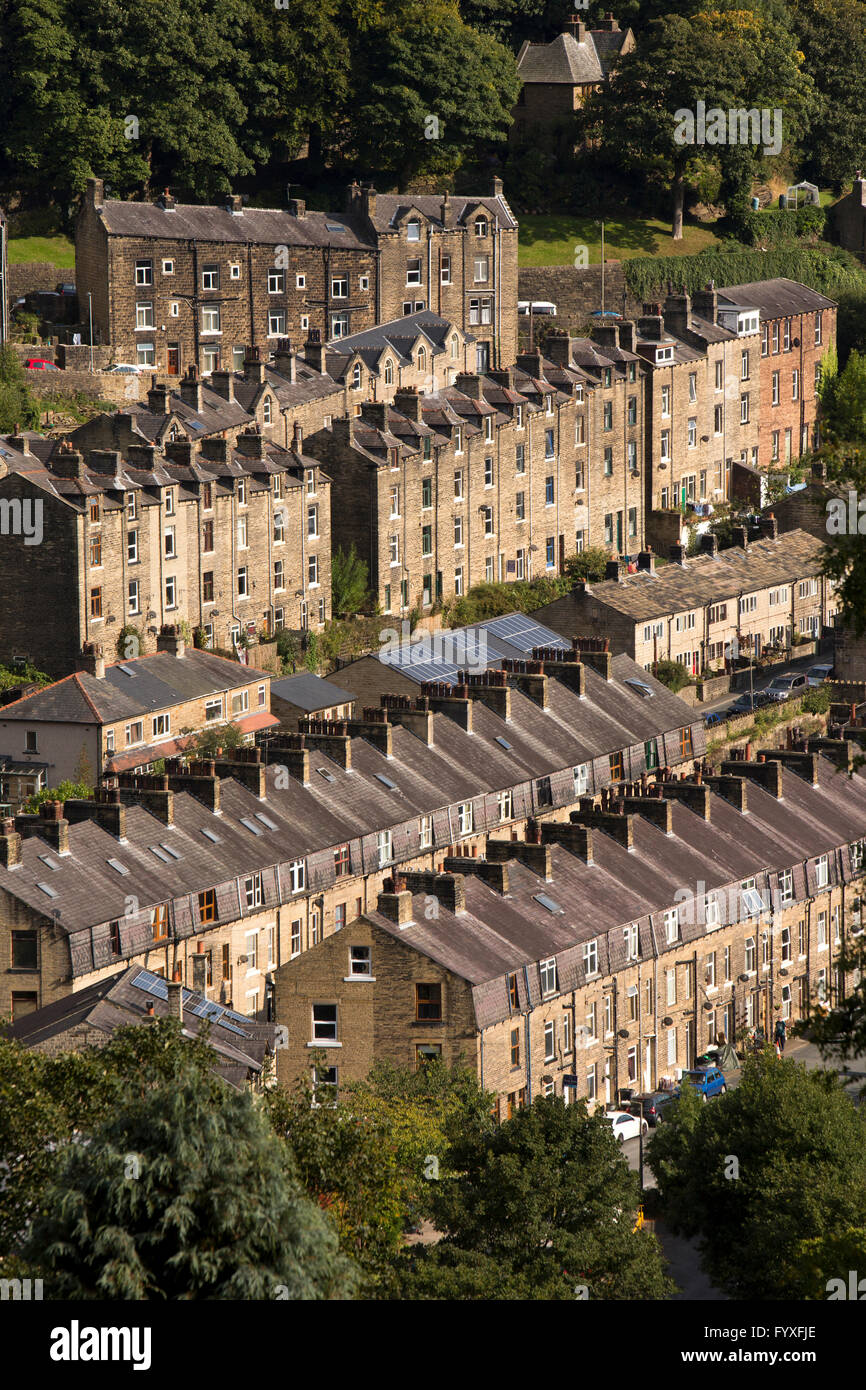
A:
(86, 890)
(497, 934)
(704, 579)
(133, 687)
(776, 297)
(401, 335)
(257, 226)
(564, 60)
(240, 1043)
(391, 206)
(309, 692)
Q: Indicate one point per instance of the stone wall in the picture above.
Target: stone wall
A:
(116, 387)
(36, 275)
(576, 292)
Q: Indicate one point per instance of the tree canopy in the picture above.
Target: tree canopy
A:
(779, 1159)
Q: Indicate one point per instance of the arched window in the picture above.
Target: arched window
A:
(389, 373)
(356, 377)
(422, 359)
(454, 345)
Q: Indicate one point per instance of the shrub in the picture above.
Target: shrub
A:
(672, 674)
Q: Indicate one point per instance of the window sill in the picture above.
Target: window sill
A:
(322, 1042)
(364, 979)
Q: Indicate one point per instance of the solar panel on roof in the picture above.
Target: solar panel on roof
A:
(151, 984)
(195, 424)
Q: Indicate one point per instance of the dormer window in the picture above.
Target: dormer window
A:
(356, 377)
(389, 373)
(664, 354)
(413, 230)
(482, 227)
(266, 411)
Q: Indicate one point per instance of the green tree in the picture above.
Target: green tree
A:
(817, 1262)
(18, 409)
(183, 1192)
(587, 564)
(672, 674)
(780, 1156)
(728, 58)
(427, 91)
(844, 559)
(546, 1200)
(67, 790)
(206, 743)
(843, 401)
(832, 35)
(350, 581)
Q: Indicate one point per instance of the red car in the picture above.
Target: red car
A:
(41, 364)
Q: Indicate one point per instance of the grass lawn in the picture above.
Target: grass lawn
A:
(552, 240)
(57, 250)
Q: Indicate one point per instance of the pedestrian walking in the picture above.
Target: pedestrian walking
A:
(781, 1032)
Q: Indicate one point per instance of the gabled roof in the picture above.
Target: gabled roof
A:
(256, 226)
(133, 687)
(497, 935)
(390, 207)
(309, 692)
(703, 579)
(240, 1043)
(564, 60)
(776, 297)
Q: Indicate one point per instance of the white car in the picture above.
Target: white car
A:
(816, 675)
(626, 1126)
(127, 368)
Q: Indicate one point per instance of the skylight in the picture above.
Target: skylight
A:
(250, 825)
(210, 835)
(386, 781)
(127, 670)
(547, 902)
(49, 892)
(173, 852)
(503, 742)
(51, 863)
(160, 854)
(117, 866)
(645, 691)
(328, 776)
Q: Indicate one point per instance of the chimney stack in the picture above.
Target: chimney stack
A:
(190, 387)
(171, 640)
(92, 660)
(254, 367)
(175, 995)
(223, 383)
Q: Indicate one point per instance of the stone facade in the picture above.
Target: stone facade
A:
(230, 540)
(632, 1006)
(175, 284)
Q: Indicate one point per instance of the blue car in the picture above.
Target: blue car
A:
(710, 1081)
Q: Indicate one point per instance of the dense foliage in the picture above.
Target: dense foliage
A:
(778, 1160)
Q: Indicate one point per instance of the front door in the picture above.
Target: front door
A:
(173, 359)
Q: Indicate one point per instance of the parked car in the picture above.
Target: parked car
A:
(537, 306)
(817, 675)
(710, 1081)
(782, 687)
(40, 364)
(651, 1106)
(66, 288)
(129, 368)
(748, 702)
(626, 1126)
